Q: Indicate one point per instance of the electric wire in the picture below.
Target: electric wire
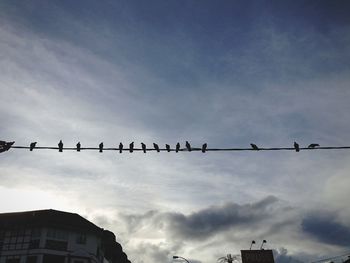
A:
(168, 148)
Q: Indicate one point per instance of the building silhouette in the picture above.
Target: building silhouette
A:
(51, 236)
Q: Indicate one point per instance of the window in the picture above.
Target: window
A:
(14, 239)
(36, 233)
(32, 259)
(59, 234)
(34, 244)
(56, 245)
(13, 260)
(98, 252)
(81, 239)
(53, 259)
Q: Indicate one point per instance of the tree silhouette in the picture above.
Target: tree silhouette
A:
(229, 259)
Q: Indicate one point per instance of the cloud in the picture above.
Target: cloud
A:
(217, 230)
(210, 221)
(207, 222)
(324, 227)
(151, 253)
(281, 256)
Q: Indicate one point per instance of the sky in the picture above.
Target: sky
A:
(228, 73)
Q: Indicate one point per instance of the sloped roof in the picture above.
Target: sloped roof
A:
(49, 217)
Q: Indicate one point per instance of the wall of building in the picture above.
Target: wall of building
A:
(23, 244)
(52, 236)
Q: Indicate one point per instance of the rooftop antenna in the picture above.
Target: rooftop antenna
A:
(263, 242)
(253, 242)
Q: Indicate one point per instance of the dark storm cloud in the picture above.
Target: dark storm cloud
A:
(212, 220)
(324, 227)
(207, 222)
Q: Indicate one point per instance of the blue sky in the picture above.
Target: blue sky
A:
(228, 73)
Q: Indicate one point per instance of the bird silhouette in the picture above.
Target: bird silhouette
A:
(156, 147)
(256, 148)
(78, 146)
(167, 147)
(32, 146)
(8, 145)
(60, 146)
(100, 146)
(204, 148)
(188, 146)
(313, 145)
(131, 147)
(120, 147)
(177, 147)
(296, 147)
(143, 147)
(5, 146)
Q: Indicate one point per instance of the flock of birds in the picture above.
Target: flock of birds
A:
(131, 147)
(5, 146)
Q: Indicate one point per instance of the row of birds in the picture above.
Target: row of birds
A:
(131, 147)
(296, 146)
(311, 146)
(167, 147)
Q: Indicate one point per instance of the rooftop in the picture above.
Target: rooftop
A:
(49, 217)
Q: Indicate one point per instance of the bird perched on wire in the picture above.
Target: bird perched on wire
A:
(313, 145)
(100, 146)
(256, 148)
(167, 147)
(131, 147)
(32, 146)
(5, 146)
(78, 147)
(120, 147)
(156, 147)
(143, 146)
(60, 146)
(204, 148)
(188, 146)
(177, 147)
(296, 147)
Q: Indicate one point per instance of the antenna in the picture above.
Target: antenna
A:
(253, 242)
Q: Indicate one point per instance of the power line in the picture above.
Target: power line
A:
(334, 257)
(5, 146)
